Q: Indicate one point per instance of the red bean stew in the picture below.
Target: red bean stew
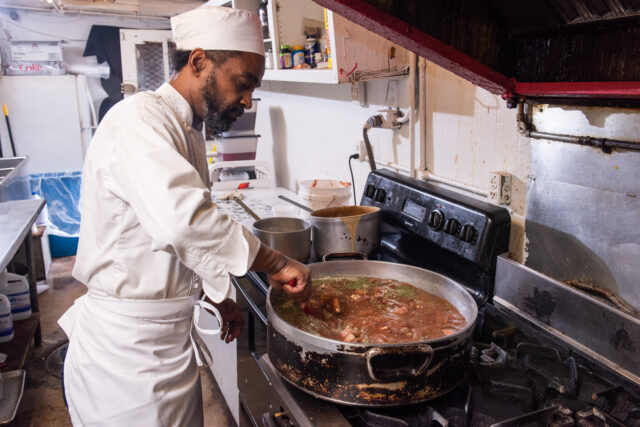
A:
(371, 311)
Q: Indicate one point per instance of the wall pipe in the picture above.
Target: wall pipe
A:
(605, 144)
(412, 113)
(422, 112)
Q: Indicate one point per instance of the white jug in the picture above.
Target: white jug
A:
(6, 322)
(16, 288)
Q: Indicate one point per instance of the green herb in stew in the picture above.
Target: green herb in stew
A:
(371, 310)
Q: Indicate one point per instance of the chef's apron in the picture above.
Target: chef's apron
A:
(131, 362)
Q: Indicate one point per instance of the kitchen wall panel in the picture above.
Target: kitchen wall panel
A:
(583, 217)
(470, 133)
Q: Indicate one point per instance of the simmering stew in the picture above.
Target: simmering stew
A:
(372, 311)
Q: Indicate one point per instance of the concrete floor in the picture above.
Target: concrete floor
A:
(42, 402)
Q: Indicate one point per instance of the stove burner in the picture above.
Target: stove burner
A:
(617, 402)
(371, 418)
(556, 416)
(493, 356)
(547, 370)
(595, 417)
(504, 335)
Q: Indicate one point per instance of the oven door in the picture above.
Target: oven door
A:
(256, 396)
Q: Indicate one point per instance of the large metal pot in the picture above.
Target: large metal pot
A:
(374, 374)
(345, 229)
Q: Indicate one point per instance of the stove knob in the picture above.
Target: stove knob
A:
(370, 191)
(381, 195)
(435, 220)
(452, 226)
(468, 233)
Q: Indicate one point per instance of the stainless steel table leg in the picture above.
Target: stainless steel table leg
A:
(33, 287)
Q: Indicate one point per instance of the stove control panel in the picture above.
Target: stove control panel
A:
(472, 229)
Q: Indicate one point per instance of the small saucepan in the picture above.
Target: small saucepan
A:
(291, 236)
(343, 229)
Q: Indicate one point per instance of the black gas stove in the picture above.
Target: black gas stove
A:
(520, 372)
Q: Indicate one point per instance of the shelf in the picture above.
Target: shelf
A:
(323, 75)
(18, 348)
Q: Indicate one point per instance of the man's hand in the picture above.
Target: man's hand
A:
(284, 273)
(232, 320)
(294, 278)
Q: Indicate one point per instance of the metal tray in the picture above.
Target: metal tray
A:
(12, 388)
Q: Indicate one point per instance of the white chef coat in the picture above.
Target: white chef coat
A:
(148, 223)
(149, 231)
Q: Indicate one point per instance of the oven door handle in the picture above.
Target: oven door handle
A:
(252, 306)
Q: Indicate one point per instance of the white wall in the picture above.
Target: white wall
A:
(470, 133)
(309, 131)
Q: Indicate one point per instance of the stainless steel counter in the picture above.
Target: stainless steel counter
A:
(16, 219)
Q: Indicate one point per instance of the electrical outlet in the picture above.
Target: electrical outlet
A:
(500, 188)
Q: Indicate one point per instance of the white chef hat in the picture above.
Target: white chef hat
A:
(218, 28)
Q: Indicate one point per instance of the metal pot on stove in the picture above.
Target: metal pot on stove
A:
(343, 229)
(374, 374)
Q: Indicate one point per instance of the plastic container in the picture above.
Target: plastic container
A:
(298, 55)
(268, 59)
(325, 193)
(311, 47)
(246, 123)
(16, 288)
(6, 321)
(286, 59)
(232, 148)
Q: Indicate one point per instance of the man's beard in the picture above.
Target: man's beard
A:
(218, 121)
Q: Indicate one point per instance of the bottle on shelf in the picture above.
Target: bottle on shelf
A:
(311, 47)
(268, 59)
(264, 18)
(297, 53)
(286, 59)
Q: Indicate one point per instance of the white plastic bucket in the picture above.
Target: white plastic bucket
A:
(16, 288)
(325, 193)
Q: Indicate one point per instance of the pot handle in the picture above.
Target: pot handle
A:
(338, 255)
(393, 372)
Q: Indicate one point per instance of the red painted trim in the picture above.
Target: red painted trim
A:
(415, 40)
(580, 89)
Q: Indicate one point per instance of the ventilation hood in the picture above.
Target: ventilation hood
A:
(577, 51)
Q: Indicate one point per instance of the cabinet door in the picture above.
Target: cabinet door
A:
(146, 59)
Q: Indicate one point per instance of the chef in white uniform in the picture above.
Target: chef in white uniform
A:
(151, 241)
